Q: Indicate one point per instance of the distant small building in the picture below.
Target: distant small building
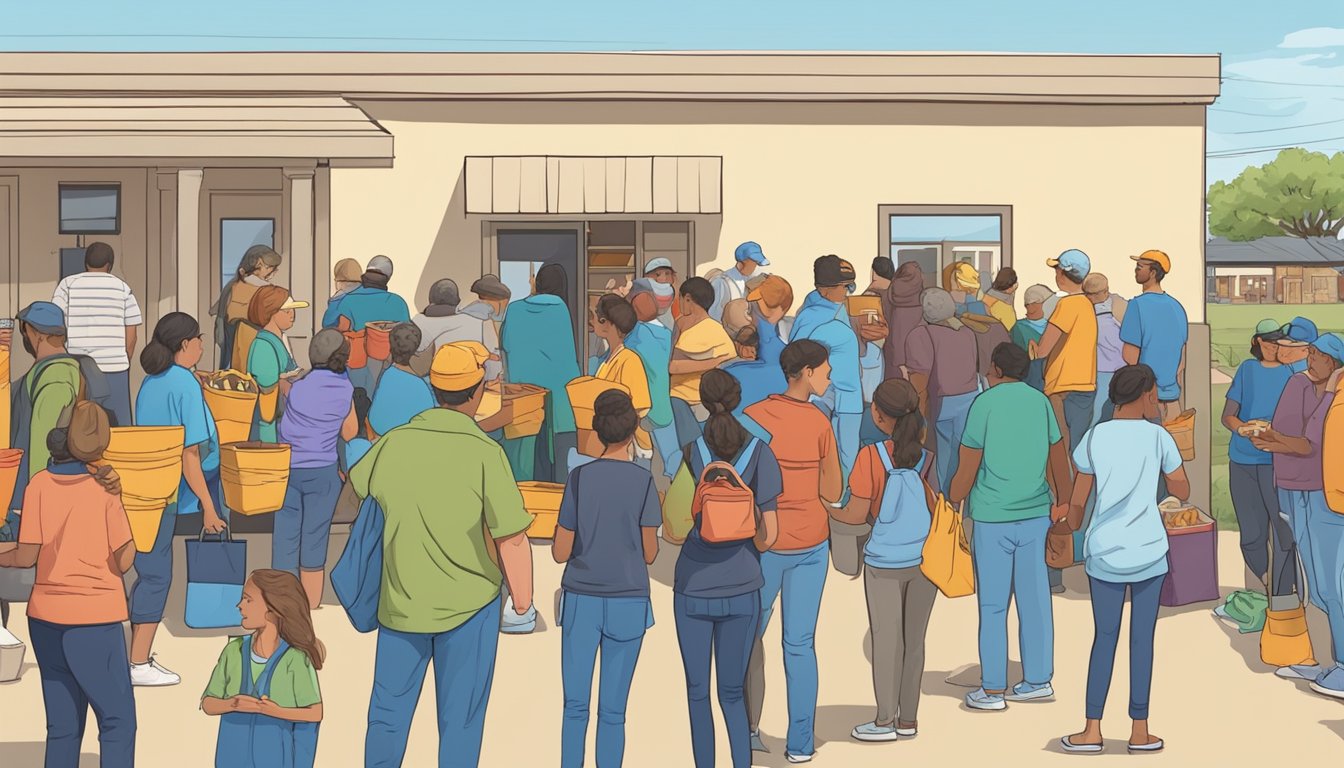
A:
(1275, 270)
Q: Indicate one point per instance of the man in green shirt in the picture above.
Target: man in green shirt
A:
(449, 502)
(1011, 460)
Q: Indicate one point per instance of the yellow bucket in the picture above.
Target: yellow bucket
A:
(542, 501)
(583, 393)
(144, 515)
(1182, 429)
(147, 459)
(232, 410)
(254, 476)
(9, 472)
(525, 425)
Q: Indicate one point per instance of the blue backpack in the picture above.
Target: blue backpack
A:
(357, 577)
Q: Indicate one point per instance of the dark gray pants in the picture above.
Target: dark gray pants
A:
(120, 385)
(1256, 503)
(900, 602)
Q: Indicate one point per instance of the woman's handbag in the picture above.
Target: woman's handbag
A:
(357, 577)
(216, 571)
(947, 552)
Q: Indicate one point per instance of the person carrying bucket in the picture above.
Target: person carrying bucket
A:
(171, 396)
(264, 687)
(370, 302)
(76, 532)
(269, 361)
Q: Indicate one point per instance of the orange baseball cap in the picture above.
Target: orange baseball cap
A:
(774, 290)
(1160, 258)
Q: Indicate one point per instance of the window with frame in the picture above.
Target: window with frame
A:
(90, 209)
(935, 237)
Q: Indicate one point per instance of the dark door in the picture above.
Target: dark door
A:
(524, 251)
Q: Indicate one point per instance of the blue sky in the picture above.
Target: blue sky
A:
(1283, 62)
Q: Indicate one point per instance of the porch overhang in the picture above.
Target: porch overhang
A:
(279, 129)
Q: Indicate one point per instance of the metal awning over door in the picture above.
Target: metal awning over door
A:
(541, 184)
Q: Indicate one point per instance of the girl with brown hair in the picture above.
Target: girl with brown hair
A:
(888, 492)
(269, 360)
(264, 687)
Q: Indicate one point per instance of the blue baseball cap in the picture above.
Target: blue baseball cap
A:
(1299, 332)
(750, 251)
(44, 316)
(1072, 260)
(1331, 344)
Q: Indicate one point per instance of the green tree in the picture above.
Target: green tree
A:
(1299, 194)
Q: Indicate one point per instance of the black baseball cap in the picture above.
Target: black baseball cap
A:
(832, 270)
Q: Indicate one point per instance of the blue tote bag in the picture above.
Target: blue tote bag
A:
(358, 575)
(216, 570)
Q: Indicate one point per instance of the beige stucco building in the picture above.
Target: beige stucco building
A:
(459, 164)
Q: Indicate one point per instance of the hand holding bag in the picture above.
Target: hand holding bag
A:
(947, 553)
(216, 570)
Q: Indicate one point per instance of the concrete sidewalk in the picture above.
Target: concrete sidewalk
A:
(1213, 701)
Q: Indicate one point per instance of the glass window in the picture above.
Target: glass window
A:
(235, 237)
(89, 209)
(936, 229)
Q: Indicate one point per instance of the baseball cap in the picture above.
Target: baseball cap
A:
(1037, 294)
(1072, 260)
(44, 316)
(1269, 330)
(325, 343)
(347, 271)
(457, 366)
(1331, 344)
(751, 251)
(1160, 258)
(831, 270)
(444, 292)
(1299, 332)
(490, 287)
(657, 264)
(774, 290)
(381, 264)
(293, 303)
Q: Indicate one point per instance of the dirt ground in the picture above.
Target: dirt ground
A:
(1212, 698)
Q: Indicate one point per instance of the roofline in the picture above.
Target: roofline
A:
(634, 76)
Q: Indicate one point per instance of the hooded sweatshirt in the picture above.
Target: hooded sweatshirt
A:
(537, 340)
(904, 316)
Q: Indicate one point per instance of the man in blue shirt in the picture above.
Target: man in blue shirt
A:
(770, 299)
(733, 283)
(652, 341)
(370, 302)
(758, 378)
(1154, 331)
(823, 319)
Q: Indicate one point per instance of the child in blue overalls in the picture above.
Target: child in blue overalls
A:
(264, 687)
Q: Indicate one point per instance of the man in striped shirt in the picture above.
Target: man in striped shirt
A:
(101, 317)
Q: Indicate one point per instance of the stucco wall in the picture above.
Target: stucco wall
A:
(807, 179)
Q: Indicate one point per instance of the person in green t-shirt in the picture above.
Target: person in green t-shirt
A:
(1011, 461)
(451, 510)
(264, 688)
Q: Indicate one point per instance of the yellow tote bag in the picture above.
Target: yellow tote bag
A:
(1284, 639)
(677, 519)
(947, 553)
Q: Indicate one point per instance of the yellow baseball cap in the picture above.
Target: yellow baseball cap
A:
(1160, 258)
(292, 303)
(457, 366)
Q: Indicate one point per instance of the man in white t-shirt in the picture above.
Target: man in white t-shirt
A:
(101, 318)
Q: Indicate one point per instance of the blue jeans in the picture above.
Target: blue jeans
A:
(119, 386)
(1300, 507)
(1010, 564)
(154, 569)
(615, 625)
(726, 629)
(1108, 602)
(847, 427)
(1326, 538)
(797, 579)
(464, 667)
(82, 667)
(303, 525)
(951, 423)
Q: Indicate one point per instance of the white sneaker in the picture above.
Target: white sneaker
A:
(792, 758)
(152, 674)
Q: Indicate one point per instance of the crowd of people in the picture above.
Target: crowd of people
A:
(766, 447)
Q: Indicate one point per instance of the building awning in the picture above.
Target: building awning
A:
(541, 184)
(279, 128)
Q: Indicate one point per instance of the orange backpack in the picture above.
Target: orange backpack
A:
(724, 504)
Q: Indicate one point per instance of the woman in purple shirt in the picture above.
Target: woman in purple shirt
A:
(320, 409)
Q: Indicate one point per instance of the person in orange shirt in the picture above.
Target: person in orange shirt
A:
(795, 567)
(1069, 345)
(75, 531)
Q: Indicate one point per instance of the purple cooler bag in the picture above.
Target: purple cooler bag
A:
(1192, 564)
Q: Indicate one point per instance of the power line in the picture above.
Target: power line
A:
(193, 36)
(1257, 150)
(1234, 78)
(1285, 128)
(1248, 114)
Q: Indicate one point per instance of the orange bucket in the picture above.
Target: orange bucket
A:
(9, 472)
(1182, 429)
(377, 339)
(358, 357)
(542, 500)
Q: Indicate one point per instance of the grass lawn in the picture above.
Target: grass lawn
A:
(1230, 329)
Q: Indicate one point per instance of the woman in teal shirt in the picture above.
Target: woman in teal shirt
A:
(269, 361)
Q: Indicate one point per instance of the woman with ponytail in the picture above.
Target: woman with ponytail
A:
(264, 687)
(171, 396)
(888, 492)
(717, 586)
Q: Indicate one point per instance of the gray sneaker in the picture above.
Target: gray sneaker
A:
(988, 702)
(1025, 691)
(873, 732)
(756, 744)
